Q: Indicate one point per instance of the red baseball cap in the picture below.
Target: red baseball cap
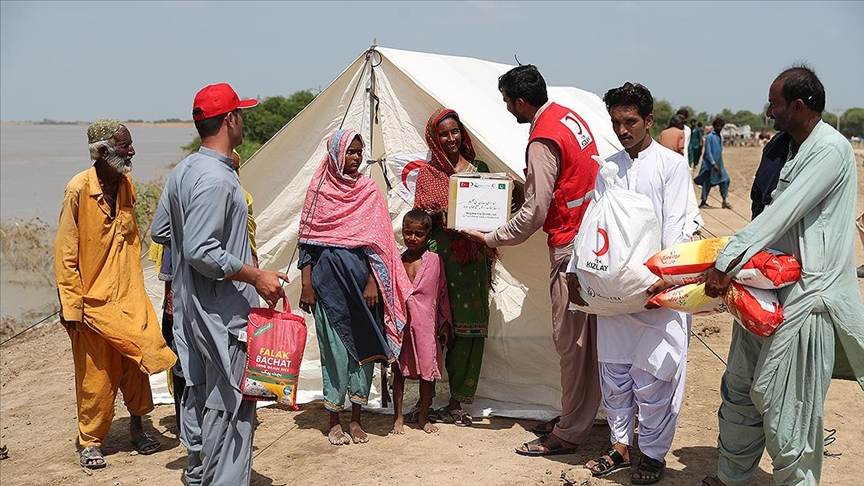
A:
(217, 99)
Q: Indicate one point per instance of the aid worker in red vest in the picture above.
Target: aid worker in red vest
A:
(558, 186)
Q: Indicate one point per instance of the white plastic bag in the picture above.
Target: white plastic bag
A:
(618, 234)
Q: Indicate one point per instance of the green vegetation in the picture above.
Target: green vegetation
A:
(663, 111)
(851, 121)
(28, 247)
(145, 206)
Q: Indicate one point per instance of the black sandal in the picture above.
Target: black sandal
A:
(602, 467)
(648, 465)
(546, 427)
(413, 416)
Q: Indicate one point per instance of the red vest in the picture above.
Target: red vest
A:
(576, 174)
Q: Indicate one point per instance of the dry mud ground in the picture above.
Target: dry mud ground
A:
(38, 421)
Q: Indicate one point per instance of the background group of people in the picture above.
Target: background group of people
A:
(427, 308)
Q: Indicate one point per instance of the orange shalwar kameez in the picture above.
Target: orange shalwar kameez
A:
(117, 343)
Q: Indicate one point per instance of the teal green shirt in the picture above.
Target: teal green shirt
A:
(812, 217)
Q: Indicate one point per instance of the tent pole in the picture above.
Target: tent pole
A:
(373, 98)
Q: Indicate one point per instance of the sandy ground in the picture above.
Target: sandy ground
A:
(39, 428)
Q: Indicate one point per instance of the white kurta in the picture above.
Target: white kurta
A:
(654, 341)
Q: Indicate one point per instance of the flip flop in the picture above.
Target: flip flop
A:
(552, 446)
(546, 427)
(91, 458)
(712, 481)
(146, 445)
(604, 467)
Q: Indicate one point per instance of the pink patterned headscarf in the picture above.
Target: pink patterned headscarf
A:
(349, 211)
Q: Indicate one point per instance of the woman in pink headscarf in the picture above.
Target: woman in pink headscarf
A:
(353, 279)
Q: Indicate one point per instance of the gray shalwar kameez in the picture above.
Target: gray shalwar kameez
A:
(203, 216)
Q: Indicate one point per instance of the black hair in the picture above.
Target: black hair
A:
(718, 121)
(801, 83)
(418, 216)
(683, 112)
(630, 94)
(676, 120)
(524, 82)
(209, 126)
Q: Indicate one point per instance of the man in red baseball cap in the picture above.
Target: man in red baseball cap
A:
(202, 215)
(218, 99)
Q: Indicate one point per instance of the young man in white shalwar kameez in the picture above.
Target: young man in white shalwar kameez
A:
(643, 356)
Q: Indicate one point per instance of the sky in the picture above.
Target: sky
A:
(146, 60)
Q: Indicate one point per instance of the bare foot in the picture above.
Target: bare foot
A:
(429, 428)
(337, 436)
(357, 433)
(398, 428)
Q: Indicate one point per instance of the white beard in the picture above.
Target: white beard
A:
(123, 165)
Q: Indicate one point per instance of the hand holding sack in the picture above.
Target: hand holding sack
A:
(275, 344)
(758, 310)
(619, 232)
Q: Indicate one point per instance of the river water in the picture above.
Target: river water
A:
(37, 161)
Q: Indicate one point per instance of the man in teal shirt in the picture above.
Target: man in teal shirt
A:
(773, 390)
(694, 151)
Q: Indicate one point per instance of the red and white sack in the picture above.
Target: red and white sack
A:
(685, 263)
(769, 269)
(617, 235)
(275, 343)
(757, 310)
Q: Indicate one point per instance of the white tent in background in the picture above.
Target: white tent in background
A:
(388, 95)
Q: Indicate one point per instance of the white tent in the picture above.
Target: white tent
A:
(388, 95)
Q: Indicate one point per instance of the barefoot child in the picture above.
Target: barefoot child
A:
(429, 321)
(352, 279)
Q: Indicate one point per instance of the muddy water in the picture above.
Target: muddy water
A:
(36, 163)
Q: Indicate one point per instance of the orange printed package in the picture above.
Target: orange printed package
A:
(275, 342)
(685, 263)
(689, 298)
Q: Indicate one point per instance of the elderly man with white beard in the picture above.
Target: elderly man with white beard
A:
(116, 341)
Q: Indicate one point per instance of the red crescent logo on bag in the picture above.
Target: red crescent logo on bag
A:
(413, 165)
(602, 232)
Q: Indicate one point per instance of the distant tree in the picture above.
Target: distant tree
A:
(852, 122)
(663, 111)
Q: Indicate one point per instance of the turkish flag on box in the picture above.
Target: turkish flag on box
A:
(275, 343)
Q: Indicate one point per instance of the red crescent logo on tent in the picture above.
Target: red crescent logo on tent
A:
(605, 248)
(414, 164)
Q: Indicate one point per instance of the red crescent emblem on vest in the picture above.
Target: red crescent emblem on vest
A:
(605, 248)
(414, 164)
(578, 125)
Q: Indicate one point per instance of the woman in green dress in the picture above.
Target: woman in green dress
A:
(467, 265)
